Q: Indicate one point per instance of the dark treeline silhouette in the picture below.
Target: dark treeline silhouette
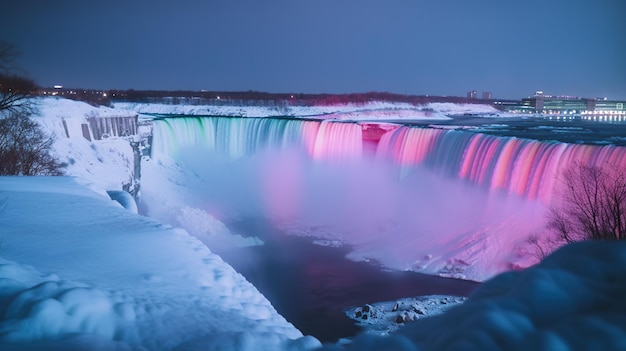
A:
(100, 97)
(90, 96)
(264, 98)
(15, 91)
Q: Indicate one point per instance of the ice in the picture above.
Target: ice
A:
(124, 198)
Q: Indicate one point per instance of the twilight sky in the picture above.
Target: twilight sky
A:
(422, 47)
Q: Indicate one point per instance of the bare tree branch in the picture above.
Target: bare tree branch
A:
(25, 149)
(592, 204)
(15, 92)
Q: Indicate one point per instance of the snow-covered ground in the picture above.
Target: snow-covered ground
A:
(363, 112)
(78, 271)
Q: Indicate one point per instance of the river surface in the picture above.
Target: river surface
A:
(311, 285)
(574, 129)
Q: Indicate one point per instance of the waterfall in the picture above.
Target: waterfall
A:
(238, 137)
(451, 202)
(525, 167)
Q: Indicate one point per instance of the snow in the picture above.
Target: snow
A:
(372, 111)
(106, 163)
(573, 300)
(77, 269)
(384, 318)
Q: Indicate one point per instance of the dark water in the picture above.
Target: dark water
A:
(311, 285)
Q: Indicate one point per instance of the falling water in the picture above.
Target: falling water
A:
(238, 137)
(528, 168)
(439, 201)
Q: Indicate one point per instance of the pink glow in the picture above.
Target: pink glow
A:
(502, 176)
(523, 167)
(338, 141)
(281, 187)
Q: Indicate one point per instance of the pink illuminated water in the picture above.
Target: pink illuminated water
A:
(524, 167)
(438, 201)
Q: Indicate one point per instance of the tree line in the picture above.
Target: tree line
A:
(293, 99)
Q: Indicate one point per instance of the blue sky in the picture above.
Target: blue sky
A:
(430, 47)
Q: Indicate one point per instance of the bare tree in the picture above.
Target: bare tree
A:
(25, 148)
(15, 92)
(15, 89)
(592, 204)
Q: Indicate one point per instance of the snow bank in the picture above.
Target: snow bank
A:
(78, 271)
(362, 112)
(38, 307)
(573, 300)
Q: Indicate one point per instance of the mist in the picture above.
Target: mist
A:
(423, 221)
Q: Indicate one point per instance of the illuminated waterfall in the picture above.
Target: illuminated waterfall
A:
(520, 166)
(528, 168)
(237, 137)
(483, 181)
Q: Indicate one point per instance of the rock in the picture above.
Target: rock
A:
(358, 314)
(409, 317)
(395, 307)
(367, 308)
(399, 319)
(417, 310)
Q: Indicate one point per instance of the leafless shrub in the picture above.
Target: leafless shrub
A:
(25, 149)
(591, 204)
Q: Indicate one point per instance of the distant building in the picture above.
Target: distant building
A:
(563, 105)
(487, 95)
(472, 94)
